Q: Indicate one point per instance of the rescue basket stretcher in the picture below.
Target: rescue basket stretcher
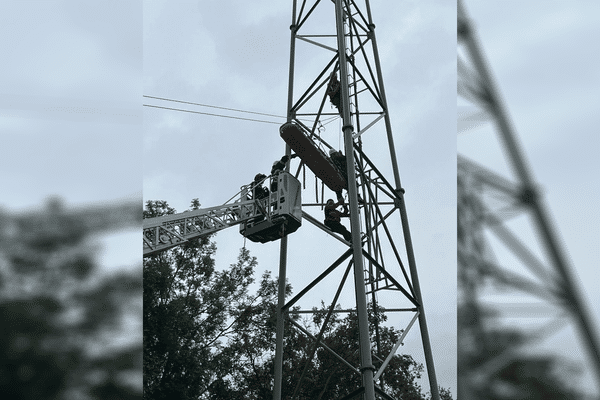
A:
(314, 158)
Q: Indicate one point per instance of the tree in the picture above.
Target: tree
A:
(445, 394)
(190, 308)
(323, 375)
(60, 317)
(494, 364)
(208, 336)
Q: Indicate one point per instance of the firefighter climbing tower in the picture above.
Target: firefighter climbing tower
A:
(335, 75)
(507, 248)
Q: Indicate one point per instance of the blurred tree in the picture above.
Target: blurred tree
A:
(494, 364)
(533, 378)
(63, 321)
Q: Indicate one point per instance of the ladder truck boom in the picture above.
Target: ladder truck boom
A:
(262, 219)
(165, 232)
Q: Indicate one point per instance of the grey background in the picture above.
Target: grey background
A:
(70, 112)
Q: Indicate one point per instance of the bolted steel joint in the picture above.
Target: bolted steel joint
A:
(398, 199)
(463, 28)
(528, 196)
(368, 367)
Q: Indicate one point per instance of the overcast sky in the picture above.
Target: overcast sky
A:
(545, 60)
(70, 112)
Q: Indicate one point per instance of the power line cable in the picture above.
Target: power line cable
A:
(221, 108)
(214, 115)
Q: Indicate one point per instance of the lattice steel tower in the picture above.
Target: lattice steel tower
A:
(508, 251)
(331, 39)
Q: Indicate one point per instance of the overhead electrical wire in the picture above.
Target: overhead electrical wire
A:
(214, 115)
(221, 108)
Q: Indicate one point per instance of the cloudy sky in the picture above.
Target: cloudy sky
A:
(70, 112)
(545, 62)
(70, 117)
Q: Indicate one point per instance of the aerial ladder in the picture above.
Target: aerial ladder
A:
(261, 219)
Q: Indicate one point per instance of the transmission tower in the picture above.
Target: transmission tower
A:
(331, 40)
(509, 258)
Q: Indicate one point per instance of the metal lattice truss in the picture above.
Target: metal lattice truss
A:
(364, 82)
(491, 254)
(389, 283)
(512, 274)
(381, 198)
(162, 233)
(505, 286)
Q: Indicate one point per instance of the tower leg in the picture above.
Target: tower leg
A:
(280, 320)
(366, 364)
(403, 215)
(283, 250)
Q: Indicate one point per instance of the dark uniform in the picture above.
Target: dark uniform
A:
(333, 218)
(279, 166)
(339, 160)
(258, 190)
(333, 90)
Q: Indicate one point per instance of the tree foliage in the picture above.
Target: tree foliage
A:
(321, 376)
(514, 374)
(61, 318)
(210, 333)
(190, 309)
